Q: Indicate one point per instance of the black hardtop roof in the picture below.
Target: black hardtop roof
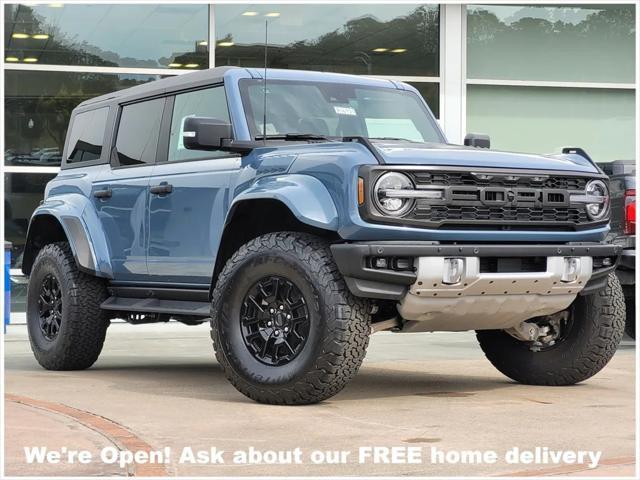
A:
(158, 87)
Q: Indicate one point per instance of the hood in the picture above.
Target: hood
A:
(407, 153)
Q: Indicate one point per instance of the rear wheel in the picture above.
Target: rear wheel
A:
(576, 344)
(285, 327)
(66, 326)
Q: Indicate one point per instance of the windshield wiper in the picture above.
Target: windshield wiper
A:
(293, 136)
(393, 138)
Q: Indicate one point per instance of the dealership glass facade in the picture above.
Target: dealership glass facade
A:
(150, 36)
(356, 39)
(536, 77)
(543, 77)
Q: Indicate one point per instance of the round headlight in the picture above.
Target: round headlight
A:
(384, 197)
(598, 190)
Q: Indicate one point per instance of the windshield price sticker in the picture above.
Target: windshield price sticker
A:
(345, 111)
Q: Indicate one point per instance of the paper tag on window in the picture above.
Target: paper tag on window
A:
(345, 111)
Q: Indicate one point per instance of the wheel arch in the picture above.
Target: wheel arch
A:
(253, 216)
(66, 222)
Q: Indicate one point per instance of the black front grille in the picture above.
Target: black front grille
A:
(501, 198)
(493, 199)
(437, 213)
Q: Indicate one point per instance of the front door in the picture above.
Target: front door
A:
(120, 194)
(189, 196)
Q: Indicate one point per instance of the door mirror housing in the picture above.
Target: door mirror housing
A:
(477, 140)
(201, 133)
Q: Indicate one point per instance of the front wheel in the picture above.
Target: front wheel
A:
(285, 328)
(580, 341)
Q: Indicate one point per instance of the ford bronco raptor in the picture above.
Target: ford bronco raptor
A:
(303, 211)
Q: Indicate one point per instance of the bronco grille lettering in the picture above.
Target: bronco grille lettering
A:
(492, 200)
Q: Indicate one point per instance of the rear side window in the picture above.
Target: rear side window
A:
(138, 131)
(210, 102)
(87, 134)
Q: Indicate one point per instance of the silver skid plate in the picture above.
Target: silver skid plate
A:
(487, 300)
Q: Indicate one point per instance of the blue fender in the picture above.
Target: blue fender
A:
(306, 197)
(83, 229)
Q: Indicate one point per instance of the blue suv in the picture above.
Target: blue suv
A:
(302, 211)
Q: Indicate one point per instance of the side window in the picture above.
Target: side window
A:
(212, 103)
(138, 131)
(87, 134)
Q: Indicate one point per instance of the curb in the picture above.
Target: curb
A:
(120, 436)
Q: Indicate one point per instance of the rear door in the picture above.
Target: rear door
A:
(121, 193)
(188, 194)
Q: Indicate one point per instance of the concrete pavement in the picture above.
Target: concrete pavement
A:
(159, 385)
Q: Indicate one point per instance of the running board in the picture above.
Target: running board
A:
(156, 305)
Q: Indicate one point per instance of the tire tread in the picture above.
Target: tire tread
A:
(601, 329)
(83, 335)
(344, 344)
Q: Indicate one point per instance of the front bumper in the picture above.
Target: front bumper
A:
(354, 262)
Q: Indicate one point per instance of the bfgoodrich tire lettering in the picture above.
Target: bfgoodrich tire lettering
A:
(339, 322)
(83, 324)
(597, 328)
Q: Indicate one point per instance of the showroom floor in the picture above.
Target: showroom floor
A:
(158, 386)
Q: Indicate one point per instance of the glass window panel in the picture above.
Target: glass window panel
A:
(431, 93)
(38, 106)
(542, 120)
(361, 39)
(87, 135)
(154, 36)
(587, 43)
(22, 194)
(211, 103)
(138, 132)
(335, 110)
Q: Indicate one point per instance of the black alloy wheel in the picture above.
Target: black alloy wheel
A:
(275, 320)
(50, 307)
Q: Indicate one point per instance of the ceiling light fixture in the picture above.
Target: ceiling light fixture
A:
(250, 14)
(380, 50)
(175, 65)
(272, 14)
(398, 50)
(203, 43)
(20, 35)
(11, 59)
(226, 44)
(40, 36)
(191, 65)
(30, 60)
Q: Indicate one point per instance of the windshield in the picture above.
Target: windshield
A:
(336, 110)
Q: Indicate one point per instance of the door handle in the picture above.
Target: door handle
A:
(163, 189)
(106, 193)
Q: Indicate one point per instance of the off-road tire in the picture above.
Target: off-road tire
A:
(597, 328)
(83, 326)
(339, 326)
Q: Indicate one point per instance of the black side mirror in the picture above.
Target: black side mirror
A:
(477, 140)
(200, 133)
